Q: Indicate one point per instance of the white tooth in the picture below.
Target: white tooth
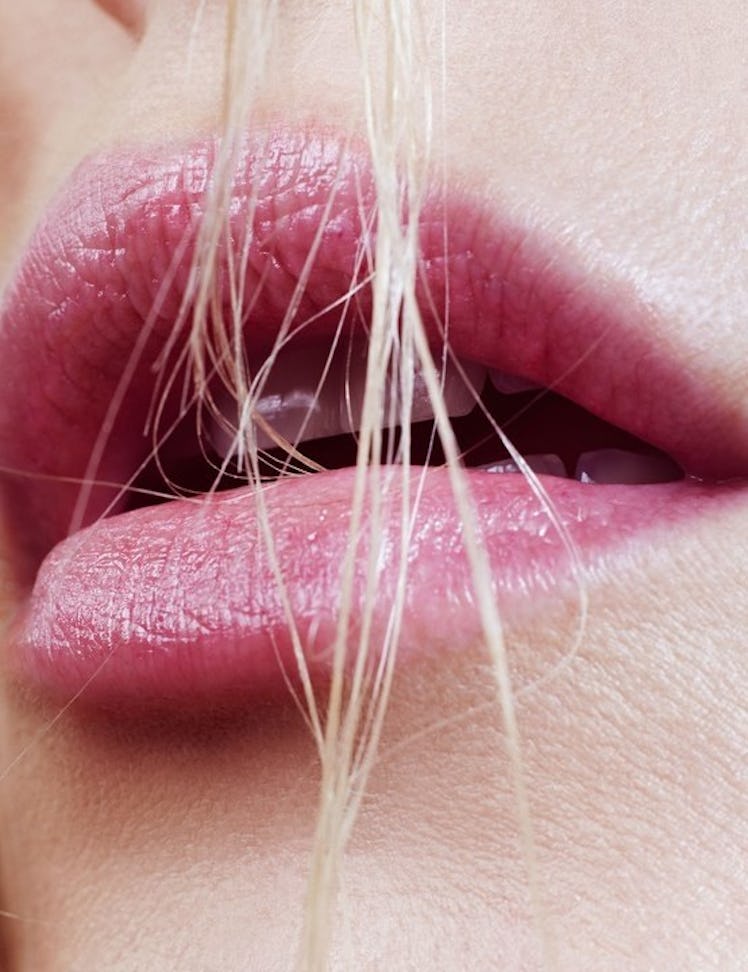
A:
(220, 428)
(457, 390)
(289, 403)
(504, 466)
(293, 404)
(546, 464)
(509, 384)
(460, 392)
(221, 431)
(622, 467)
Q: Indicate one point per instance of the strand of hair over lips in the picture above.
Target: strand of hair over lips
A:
(396, 97)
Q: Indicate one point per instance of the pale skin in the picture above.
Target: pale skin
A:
(184, 846)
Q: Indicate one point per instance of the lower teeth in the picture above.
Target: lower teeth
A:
(603, 466)
(622, 467)
(542, 465)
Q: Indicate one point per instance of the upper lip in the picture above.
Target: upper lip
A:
(73, 315)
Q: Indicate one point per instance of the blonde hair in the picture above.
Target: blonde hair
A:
(398, 96)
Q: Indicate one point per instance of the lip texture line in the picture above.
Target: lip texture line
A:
(178, 601)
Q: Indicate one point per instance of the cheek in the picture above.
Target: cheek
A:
(57, 62)
(130, 14)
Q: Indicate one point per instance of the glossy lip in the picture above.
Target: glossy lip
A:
(178, 602)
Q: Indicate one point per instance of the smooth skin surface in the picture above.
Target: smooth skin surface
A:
(620, 129)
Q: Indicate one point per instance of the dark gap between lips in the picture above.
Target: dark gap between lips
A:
(536, 422)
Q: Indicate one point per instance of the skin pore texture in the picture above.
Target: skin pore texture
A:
(183, 844)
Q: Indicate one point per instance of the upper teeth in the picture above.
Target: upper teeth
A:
(310, 395)
(509, 384)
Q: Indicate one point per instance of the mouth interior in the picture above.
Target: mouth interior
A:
(556, 437)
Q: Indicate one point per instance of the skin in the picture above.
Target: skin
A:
(183, 846)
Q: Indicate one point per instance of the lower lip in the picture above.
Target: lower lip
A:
(179, 604)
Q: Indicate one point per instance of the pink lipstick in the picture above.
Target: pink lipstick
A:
(178, 601)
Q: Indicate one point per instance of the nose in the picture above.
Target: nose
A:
(129, 13)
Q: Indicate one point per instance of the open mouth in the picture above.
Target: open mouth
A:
(308, 415)
(179, 600)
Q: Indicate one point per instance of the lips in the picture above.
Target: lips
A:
(181, 601)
